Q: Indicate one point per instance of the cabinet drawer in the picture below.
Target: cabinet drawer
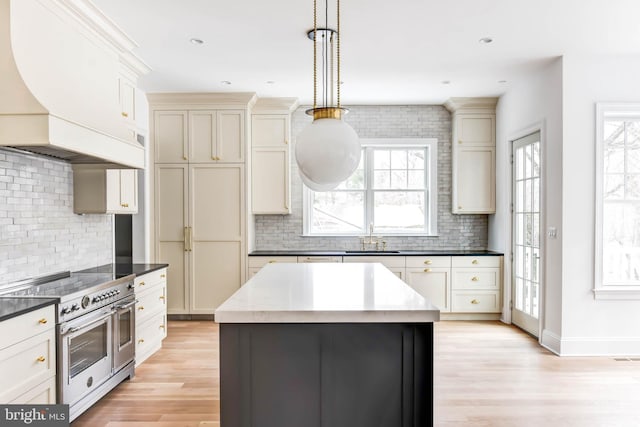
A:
(27, 325)
(475, 301)
(428, 261)
(483, 278)
(145, 281)
(387, 261)
(319, 258)
(151, 302)
(42, 394)
(149, 336)
(27, 364)
(476, 261)
(261, 261)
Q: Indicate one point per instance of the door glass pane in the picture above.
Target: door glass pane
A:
(87, 348)
(124, 325)
(528, 157)
(519, 163)
(526, 290)
(519, 298)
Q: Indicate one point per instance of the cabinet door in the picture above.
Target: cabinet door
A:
(230, 136)
(433, 284)
(474, 179)
(269, 130)
(216, 214)
(475, 129)
(202, 136)
(170, 136)
(113, 190)
(170, 223)
(127, 100)
(270, 181)
(129, 190)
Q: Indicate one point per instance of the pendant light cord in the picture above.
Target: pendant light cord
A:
(338, 52)
(315, 51)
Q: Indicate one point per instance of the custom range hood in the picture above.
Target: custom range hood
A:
(61, 62)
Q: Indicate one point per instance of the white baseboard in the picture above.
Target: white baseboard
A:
(591, 346)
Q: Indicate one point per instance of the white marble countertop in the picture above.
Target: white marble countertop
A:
(326, 293)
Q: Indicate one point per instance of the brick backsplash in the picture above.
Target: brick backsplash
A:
(39, 233)
(276, 232)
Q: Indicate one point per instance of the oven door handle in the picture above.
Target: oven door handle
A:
(127, 305)
(86, 325)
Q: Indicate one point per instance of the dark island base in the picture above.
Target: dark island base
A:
(326, 375)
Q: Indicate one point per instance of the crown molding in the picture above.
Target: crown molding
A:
(275, 105)
(201, 99)
(455, 104)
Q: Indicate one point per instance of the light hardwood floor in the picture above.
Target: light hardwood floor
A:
(486, 374)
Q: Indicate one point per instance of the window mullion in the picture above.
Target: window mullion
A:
(368, 195)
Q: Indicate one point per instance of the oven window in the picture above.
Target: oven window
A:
(87, 348)
(124, 324)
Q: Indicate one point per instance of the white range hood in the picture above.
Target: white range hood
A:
(60, 64)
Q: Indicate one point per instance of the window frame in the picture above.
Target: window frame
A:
(601, 290)
(430, 190)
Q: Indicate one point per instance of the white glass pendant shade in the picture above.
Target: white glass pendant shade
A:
(327, 152)
(317, 187)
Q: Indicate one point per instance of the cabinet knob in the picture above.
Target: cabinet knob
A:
(42, 321)
(475, 278)
(161, 297)
(286, 142)
(428, 262)
(124, 114)
(475, 301)
(41, 359)
(184, 157)
(163, 276)
(161, 326)
(140, 341)
(459, 141)
(427, 270)
(475, 261)
(272, 261)
(141, 308)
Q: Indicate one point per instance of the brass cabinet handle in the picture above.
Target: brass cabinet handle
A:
(42, 321)
(141, 284)
(190, 239)
(141, 308)
(475, 301)
(162, 276)
(41, 359)
(428, 262)
(427, 270)
(272, 261)
(161, 297)
(475, 278)
(286, 142)
(161, 326)
(459, 207)
(184, 157)
(475, 261)
(140, 341)
(124, 205)
(187, 239)
(124, 114)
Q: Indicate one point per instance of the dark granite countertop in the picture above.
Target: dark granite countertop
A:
(378, 253)
(124, 269)
(12, 307)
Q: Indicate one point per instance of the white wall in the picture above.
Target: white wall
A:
(533, 102)
(591, 326)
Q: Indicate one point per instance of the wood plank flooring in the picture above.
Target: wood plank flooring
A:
(486, 374)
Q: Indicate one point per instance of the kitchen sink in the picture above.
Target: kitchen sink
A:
(372, 252)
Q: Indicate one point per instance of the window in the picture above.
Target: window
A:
(394, 188)
(617, 201)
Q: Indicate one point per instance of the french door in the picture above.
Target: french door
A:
(526, 233)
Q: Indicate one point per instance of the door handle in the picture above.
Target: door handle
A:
(127, 305)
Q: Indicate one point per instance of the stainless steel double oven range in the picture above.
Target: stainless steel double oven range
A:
(95, 332)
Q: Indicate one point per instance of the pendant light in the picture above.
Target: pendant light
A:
(327, 151)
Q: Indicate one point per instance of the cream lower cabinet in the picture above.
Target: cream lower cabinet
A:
(151, 313)
(28, 358)
(99, 190)
(431, 278)
(476, 285)
(394, 263)
(199, 220)
(257, 262)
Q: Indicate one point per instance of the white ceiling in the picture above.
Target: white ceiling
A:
(393, 52)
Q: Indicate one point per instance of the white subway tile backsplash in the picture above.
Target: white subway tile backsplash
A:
(275, 232)
(39, 233)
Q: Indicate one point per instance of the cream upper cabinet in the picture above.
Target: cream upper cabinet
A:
(473, 155)
(199, 136)
(270, 161)
(99, 190)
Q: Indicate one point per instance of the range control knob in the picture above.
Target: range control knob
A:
(96, 299)
(75, 307)
(66, 310)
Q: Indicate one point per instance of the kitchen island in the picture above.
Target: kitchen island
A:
(326, 345)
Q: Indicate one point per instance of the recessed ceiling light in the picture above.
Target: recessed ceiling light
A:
(270, 82)
(502, 81)
(486, 40)
(225, 82)
(197, 41)
(446, 82)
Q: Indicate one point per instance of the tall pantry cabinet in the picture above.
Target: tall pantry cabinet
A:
(199, 153)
